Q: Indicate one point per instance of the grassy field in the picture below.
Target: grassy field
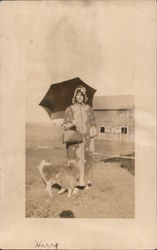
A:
(112, 194)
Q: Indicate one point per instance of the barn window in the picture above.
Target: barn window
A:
(102, 129)
(124, 130)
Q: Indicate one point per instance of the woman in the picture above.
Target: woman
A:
(81, 115)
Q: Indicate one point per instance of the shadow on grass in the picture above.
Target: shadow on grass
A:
(128, 164)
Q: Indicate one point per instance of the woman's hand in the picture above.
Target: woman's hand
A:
(67, 125)
(93, 131)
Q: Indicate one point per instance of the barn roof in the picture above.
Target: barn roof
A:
(113, 102)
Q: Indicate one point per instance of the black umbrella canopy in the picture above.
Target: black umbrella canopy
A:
(59, 96)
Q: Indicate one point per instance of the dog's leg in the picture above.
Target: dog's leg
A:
(87, 187)
(69, 192)
(75, 190)
(48, 188)
(61, 191)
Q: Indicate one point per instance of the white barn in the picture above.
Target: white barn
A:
(115, 117)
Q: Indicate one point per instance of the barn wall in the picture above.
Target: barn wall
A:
(114, 120)
(132, 124)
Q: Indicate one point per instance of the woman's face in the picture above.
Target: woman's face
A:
(79, 97)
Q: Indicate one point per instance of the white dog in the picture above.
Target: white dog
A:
(51, 176)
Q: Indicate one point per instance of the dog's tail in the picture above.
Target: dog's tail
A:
(40, 167)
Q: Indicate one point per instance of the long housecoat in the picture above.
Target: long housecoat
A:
(82, 115)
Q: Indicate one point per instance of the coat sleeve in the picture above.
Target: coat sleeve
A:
(68, 116)
(93, 127)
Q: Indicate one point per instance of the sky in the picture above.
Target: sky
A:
(105, 43)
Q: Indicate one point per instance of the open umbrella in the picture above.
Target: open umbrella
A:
(59, 97)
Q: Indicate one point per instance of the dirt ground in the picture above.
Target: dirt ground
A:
(112, 193)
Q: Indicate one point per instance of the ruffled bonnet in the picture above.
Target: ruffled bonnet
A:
(83, 90)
